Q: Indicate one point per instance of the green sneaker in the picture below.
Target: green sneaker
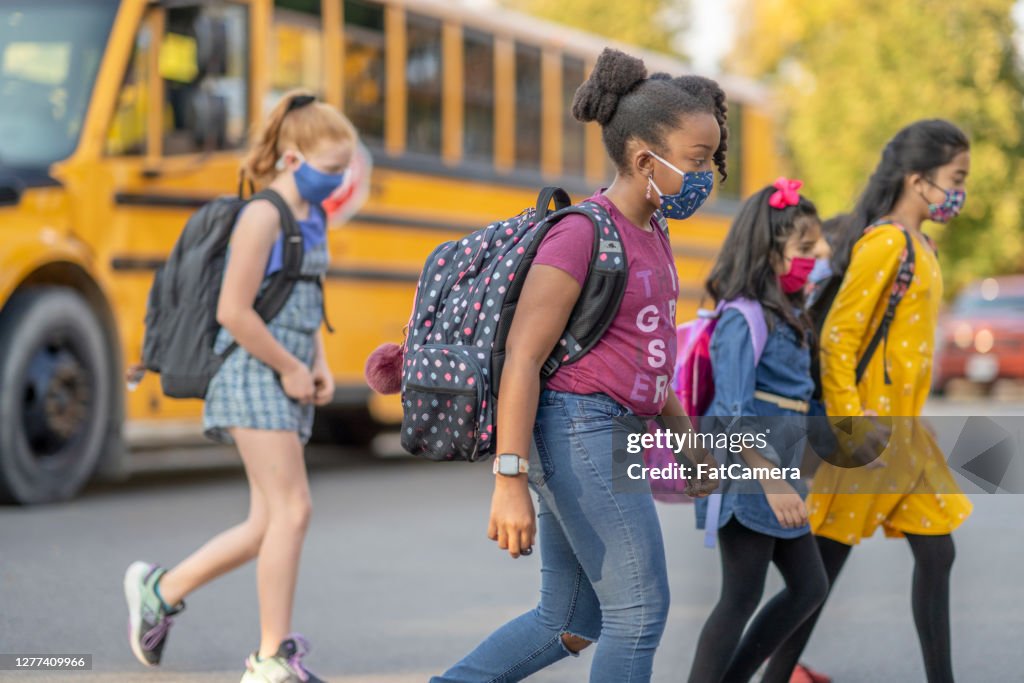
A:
(149, 619)
(284, 667)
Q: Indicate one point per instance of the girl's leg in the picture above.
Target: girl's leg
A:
(833, 557)
(806, 586)
(224, 552)
(616, 535)
(933, 563)
(274, 462)
(745, 555)
(566, 620)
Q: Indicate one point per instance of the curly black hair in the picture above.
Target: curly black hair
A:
(627, 103)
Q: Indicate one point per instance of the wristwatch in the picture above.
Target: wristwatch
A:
(510, 465)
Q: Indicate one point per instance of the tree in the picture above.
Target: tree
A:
(849, 73)
(652, 24)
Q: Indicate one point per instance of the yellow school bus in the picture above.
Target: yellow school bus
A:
(119, 117)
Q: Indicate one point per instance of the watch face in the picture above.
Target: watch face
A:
(508, 465)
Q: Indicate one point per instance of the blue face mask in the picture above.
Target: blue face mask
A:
(315, 186)
(822, 269)
(692, 194)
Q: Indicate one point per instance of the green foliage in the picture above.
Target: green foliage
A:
(652, 24)
(849, 73)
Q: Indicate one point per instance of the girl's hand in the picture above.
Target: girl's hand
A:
(513, 523)
(702, 488)
(786, 503)
(298, 383)
(323, 384)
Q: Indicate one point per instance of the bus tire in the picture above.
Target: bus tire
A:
(55, 395)
(353, 427)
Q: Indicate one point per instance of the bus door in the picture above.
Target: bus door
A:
(175, 141)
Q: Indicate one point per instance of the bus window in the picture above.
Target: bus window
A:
(528, 106)
(50, 51)
(573, 132)
(731, 188)
(127, 134)
(478, 131)
(311, 7)
(295, 49)
(203, 59)
(365, 68)
(423, 69)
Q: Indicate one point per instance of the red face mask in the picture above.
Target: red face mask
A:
(799, 268)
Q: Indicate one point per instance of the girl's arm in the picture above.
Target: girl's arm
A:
(679, 422)
(732, 363)
(258, 228)
(542, 313)
(865, 289)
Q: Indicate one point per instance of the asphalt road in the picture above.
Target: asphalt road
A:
(398, 580)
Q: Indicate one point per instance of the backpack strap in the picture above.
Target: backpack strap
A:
(900, 285)
(273, 298)
(560, 197)
(753, 313)
(602, 292)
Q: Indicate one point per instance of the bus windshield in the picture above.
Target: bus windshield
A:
(50, 51)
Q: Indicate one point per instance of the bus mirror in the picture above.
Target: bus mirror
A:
(211, 45)
(10, 190)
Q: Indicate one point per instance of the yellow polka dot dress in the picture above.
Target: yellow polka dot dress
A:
(913, 491)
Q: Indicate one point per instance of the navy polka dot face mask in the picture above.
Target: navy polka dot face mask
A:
(692, 194)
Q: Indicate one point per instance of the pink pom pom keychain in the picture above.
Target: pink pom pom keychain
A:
(384, 368)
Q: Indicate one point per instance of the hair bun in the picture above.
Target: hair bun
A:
(614, 75)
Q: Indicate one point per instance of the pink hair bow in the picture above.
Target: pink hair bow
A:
(787, 193)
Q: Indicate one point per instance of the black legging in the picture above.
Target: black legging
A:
(933, 562)
(746, 555)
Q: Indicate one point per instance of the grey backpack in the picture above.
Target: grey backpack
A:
(465, 301)
(181, 313)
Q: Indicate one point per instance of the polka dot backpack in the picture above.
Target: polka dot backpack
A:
(465, 300)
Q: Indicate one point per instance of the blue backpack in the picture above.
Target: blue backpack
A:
(466, 298)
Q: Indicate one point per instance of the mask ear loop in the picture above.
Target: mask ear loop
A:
(667, 163)
(281, 165)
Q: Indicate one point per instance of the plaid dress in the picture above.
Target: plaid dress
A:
(247, 393)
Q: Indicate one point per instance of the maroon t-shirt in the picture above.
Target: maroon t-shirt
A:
(634, 360)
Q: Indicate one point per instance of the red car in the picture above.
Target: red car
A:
(981, 335)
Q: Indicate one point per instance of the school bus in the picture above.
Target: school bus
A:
(120, 117)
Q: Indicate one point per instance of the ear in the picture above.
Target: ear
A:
(289, 160)
(643, 162)
(915, 181)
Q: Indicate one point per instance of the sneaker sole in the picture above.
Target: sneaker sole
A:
(132, 580)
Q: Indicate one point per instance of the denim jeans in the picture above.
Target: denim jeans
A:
(603, 575)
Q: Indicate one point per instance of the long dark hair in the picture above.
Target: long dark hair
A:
(627, 104)
(745, 264)
(921, 147)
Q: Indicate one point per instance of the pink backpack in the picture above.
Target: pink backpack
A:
(694, 382)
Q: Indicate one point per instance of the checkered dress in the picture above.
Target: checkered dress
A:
(247, 393)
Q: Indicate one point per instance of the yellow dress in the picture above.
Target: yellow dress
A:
(914, 491)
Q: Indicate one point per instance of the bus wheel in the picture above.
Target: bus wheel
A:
(352, 427)
(55, 395)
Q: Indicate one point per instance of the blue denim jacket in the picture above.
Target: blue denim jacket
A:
(784, 370)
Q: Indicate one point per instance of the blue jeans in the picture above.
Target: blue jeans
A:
(603, 575)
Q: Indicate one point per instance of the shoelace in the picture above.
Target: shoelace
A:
(295, 661)
(154, 636)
